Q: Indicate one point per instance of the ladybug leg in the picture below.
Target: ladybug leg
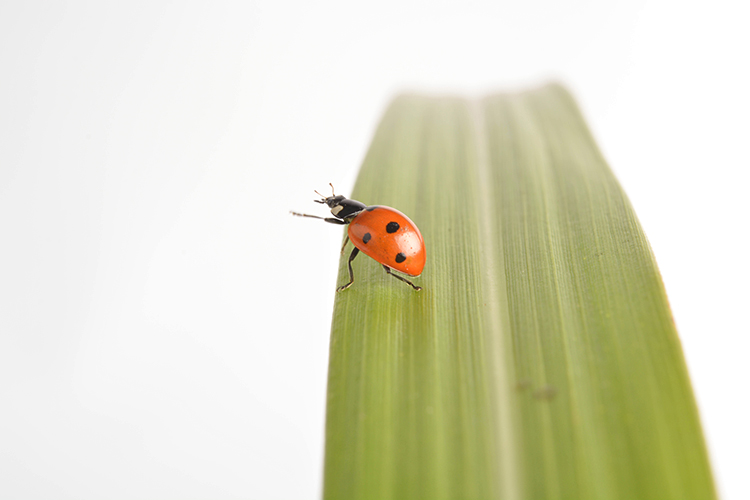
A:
(388, 270)
(345, 242)
(327, 219)
(351, 273)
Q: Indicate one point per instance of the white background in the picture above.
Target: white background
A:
(164, 322)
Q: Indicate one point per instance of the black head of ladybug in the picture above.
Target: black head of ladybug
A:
(340, 206)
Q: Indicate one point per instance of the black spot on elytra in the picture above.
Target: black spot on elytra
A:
(400, 257)
(392, 227)
(366, 238)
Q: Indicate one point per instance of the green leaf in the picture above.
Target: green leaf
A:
(541, 359)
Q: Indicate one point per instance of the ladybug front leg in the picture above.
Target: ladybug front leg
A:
(351, 273)
(327, 219)
(388, 270)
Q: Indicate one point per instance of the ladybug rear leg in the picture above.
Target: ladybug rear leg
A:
(388, 270)
(351, 273)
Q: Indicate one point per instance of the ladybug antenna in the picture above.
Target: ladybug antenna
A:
(324, 197)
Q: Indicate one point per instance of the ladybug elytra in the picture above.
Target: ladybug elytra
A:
(381, 232)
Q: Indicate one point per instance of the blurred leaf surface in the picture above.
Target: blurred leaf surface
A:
(541, 359)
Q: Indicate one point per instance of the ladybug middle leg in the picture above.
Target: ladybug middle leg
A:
(388, 270)
(346, 240)
(351, 273)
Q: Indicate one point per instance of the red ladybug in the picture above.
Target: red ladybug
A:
(383, 233)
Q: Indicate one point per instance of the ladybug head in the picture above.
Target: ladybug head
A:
(340, 206)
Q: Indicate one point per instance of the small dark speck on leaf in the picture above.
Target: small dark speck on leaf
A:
(523, 384)
(545, 393)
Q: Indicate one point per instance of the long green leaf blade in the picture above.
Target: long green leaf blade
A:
(540, 360)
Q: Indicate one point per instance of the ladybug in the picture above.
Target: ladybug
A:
(383, 233)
